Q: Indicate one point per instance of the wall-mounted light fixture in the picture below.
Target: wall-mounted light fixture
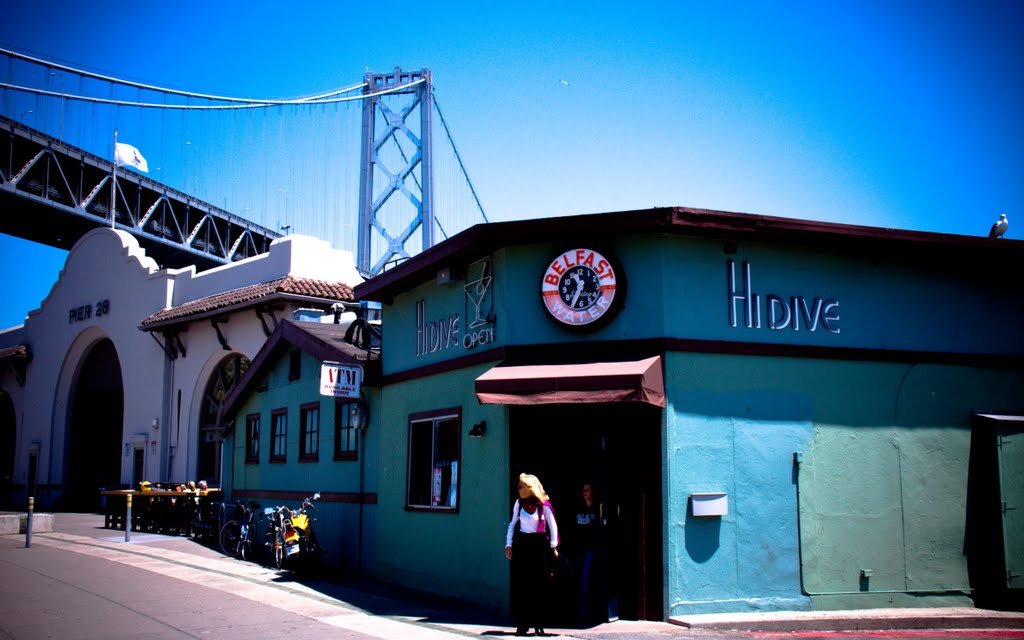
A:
(444, 276)
(156, 424)
(127, 448)
(360, 415)
(478, 430)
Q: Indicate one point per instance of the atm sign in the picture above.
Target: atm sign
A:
(340, 381)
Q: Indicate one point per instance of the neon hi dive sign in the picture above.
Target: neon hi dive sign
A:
(778, 312)
(447, 331)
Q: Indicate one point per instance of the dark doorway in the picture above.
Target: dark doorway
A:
(138, 467)
(617, 449)
(95, 427)
(8, 445)
(995, 529)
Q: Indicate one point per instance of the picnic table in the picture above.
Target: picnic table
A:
(191, 513)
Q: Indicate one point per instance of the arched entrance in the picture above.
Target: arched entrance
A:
(95, 426)
(8, 442)
(224, 378)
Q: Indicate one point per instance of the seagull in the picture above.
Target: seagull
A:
(565, 83)
(999, 228)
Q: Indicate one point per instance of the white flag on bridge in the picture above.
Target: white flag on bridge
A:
(126, 154)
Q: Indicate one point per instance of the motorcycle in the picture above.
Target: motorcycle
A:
(290, 534)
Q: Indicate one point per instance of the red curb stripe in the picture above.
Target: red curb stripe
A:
(935, 633)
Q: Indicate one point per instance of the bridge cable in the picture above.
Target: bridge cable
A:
(250, 104)
(177, 92)
(437, 105)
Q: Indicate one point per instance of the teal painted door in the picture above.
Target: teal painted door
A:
(851, 513)
(1011, 489)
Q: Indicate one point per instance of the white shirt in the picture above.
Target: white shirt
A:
(528, 523)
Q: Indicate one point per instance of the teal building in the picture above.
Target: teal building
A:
(775, 414)
(288, 437)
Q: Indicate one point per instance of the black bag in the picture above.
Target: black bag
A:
(559, 570)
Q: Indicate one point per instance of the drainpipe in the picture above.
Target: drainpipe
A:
(362, 499)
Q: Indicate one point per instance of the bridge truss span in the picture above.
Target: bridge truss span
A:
(283, 165)
(54, 194)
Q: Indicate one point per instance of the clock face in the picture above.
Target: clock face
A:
(578, 287)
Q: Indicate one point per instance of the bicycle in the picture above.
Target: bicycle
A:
(273, 535)
(236, 535)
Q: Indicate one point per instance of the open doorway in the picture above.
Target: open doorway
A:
(138, 467)
(617, 449)
(8, 446)
(95, 428)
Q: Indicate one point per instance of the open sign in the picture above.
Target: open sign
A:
(340, 381)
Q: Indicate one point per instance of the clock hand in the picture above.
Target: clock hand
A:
(579, 289)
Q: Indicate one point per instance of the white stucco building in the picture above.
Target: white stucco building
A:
(115, 376)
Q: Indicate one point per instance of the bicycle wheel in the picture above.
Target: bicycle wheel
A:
(267, 544)
(245, 542)
(229, 538)
(278, 548)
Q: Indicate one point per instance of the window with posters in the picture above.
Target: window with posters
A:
(434, 457)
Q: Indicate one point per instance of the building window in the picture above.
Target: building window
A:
(433, 476)
(294, 365)
(279, 435)
(344, 432)
(309, 431)
(223, 379)
(252, 437)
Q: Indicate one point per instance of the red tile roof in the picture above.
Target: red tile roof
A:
(17, 351)
(286, 288)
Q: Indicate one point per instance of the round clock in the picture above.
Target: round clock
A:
(578, 287)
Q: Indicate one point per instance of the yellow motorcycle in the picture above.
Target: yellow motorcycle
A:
(290, 534)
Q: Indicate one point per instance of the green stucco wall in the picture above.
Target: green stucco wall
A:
(338, 526)
(832, 465)
(882, 484)
(459, 554)
(679, 287)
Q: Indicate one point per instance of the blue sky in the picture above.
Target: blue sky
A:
(904, 113)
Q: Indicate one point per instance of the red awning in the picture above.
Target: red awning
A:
(632, 381)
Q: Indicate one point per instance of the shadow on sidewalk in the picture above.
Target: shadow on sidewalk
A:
(372, 596)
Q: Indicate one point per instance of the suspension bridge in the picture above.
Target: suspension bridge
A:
(224, 176)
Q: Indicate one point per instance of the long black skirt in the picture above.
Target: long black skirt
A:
(531, 566)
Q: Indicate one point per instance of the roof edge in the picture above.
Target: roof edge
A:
(287, 332)
(483, 238)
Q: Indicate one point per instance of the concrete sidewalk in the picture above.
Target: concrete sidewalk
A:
(858, 620)
(390, 601)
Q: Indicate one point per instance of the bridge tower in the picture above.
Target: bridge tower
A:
(385, 153)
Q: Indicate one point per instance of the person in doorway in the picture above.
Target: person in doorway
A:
(531, 544)
(586, 538)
